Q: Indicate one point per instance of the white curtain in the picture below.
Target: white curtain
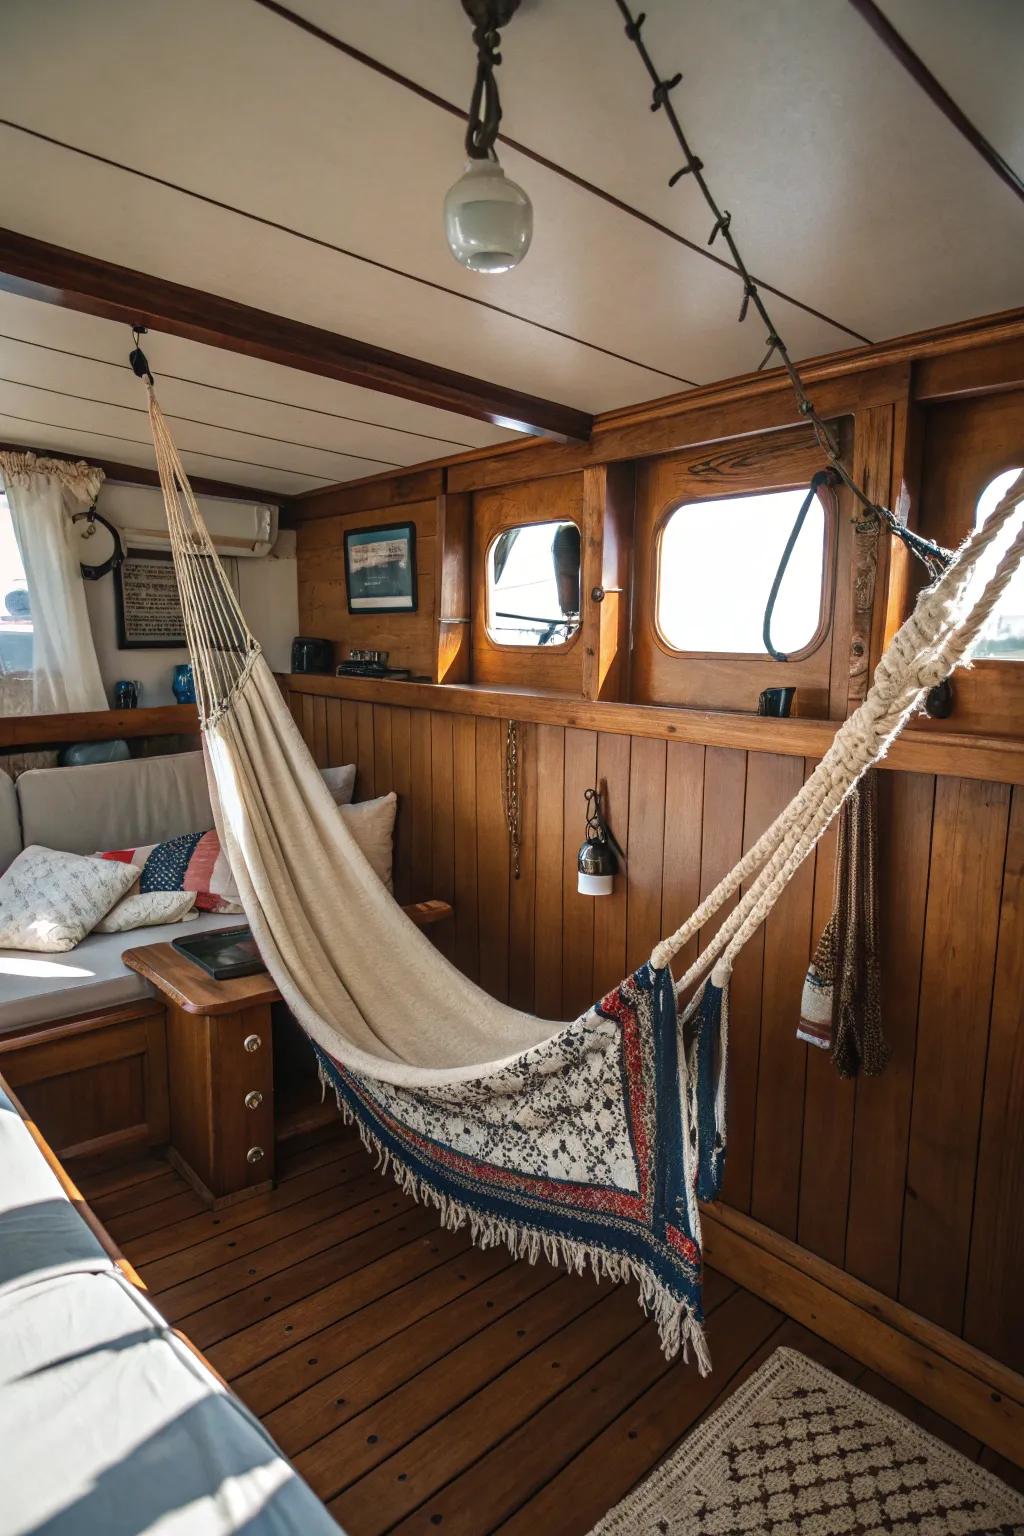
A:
(42, 494)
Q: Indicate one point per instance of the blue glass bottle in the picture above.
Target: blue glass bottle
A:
(184, 684)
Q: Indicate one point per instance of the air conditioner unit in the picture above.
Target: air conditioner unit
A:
(239, 529)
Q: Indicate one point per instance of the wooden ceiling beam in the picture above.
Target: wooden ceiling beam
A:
(141, 474)
(36, 269)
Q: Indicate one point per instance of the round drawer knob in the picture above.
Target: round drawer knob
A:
(253, 1099)
(252, 1042)
(254, 1155)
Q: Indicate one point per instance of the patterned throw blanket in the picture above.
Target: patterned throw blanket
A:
(576, 1150)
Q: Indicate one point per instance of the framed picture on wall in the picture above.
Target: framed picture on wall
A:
(149, 615)
(380, 569)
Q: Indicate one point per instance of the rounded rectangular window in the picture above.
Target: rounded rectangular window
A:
(533, 584)
(716, 564)
(1002, 638)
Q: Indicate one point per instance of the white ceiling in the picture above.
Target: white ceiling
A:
(850, 192)
(65, 385)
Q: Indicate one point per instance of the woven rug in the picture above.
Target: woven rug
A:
(796, 1451)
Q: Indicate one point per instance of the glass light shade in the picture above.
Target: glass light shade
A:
(487, 218)
(595, 868)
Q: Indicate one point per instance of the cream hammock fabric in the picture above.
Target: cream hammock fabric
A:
(590, 1141)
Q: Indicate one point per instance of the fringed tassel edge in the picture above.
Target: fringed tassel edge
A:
(678, 1328)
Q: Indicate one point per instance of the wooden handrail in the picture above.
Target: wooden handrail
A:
(996, 759)
(20, 732)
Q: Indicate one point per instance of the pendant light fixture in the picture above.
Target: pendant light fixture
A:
(596, 862)
(488, 219)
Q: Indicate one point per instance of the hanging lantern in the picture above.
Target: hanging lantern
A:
(488, 219)
(596, 862)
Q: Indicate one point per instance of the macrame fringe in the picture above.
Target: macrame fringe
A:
(678, 1328)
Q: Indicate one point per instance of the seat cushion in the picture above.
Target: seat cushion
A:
(41, 1233)
(10, 824)
(115, 805)
(123, 805)
(110, 1426)
(36, 989)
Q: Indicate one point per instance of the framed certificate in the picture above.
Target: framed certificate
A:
(148, 604)
(380, 569)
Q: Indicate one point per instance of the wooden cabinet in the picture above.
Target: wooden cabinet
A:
(96, 1084)
(221, 1077)
(220, 1069)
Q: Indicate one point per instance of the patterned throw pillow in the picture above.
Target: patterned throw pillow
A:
(50, 900)
(148, 910)
(193, 862)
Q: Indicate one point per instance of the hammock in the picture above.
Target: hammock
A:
(591, 1141)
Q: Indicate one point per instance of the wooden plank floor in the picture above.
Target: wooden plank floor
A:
(419, 1383)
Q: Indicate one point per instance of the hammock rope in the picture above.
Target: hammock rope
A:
(589, 1142)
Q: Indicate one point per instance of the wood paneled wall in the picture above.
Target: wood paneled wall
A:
(409, 638)
(910, 1181)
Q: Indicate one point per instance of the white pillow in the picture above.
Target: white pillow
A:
(341, 782)
(145, 909)
(372, 824)
(50, 900)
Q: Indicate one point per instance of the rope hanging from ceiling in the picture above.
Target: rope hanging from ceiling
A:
(933, 556)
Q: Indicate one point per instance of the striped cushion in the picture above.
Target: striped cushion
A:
(193, 862)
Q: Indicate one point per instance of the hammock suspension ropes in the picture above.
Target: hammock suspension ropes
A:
(933, 556)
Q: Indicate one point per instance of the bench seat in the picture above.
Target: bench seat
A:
(110, 1425)
(40, 988)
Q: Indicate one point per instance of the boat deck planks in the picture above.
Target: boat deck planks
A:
(419, 1383)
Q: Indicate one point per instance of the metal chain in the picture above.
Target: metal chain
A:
(932, 555)
(510, 794)
(484, 117)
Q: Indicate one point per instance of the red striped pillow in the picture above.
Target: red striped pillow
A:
(194, 862)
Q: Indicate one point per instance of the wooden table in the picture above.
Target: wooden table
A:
(220, 1066)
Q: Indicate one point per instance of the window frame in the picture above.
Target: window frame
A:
(563, 646)
(826, 605)
(966, 443)
(778, 459)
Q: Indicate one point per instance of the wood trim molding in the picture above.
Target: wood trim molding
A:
(995, 759)
(371, 493)
(749, 402)
(19, 732)
(689, 421)
(73, 280)
(966, 1386)
(981, 370)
